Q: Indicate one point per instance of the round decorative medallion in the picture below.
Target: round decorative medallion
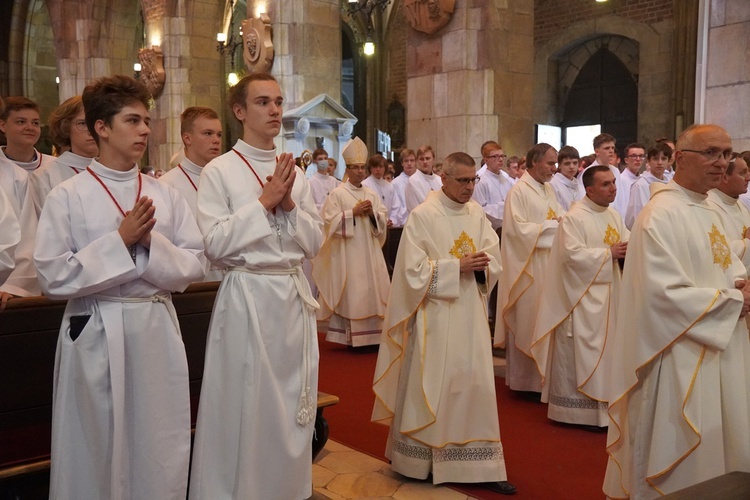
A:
(257, 38)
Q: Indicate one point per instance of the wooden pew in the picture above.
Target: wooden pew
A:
(28, 338)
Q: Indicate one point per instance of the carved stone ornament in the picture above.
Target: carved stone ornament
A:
(428, 16)
(152, 69)
(257, 39)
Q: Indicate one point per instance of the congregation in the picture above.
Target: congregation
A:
(621, 297)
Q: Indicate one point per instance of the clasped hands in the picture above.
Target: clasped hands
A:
(277, 191)
(137, 225)
(744, 287)
(363, 208)
(474, 262)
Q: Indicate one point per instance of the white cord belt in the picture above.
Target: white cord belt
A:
(307, 401)
(163, 297)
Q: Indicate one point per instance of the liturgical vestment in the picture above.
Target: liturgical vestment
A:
(577, 310)
(350, 269)
(677, 388)
(10, 235)
(529, 225)
(434, 382)
(121, 399)
(253, 437)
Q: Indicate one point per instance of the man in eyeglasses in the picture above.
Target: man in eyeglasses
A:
(635, 154)
(495, 185)
(679, 394)
(434, 379)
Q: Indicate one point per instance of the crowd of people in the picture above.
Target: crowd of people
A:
(621, 297)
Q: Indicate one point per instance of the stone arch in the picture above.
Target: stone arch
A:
(651, 64)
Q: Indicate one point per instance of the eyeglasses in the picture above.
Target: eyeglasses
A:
(497, 157)
(637, 157)
(80, 125)
(712, 154)
(464, 180)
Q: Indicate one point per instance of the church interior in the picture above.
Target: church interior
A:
(398, 74)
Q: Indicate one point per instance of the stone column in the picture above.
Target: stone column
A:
(307, 47)
(727, 83)
(471, 82)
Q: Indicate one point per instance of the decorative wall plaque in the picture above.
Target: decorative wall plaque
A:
(258, 44)
(428, 16)
(152, 69)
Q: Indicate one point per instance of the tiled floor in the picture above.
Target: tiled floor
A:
(340, 472)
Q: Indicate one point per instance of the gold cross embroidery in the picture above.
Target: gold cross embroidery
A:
(611, 236)
(463, 246)
(719, 248)
(551, 214)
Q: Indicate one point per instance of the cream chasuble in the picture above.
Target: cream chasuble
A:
(253, 437)
(529, 224)
(577, 310)
(434, 382)
(736, 219)
(350, 269)
(672, 419)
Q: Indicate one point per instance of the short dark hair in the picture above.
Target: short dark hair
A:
(633, 145)
(602, 139)
(659, 147)
(318, 152)
(17, 103)
(588, 174)
(536, 153)
(105, 97)
(238, 93)
(455, 159)
(376, 160)
(567, 152)
(60, 120)
(188, 117)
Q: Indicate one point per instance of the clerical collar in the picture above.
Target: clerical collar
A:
(533, 182)
(255, 153)
(728, 200)
(592, 205)
(70, 159)
(190, 166)
(447, 202)
(694, 196)
(349, 183)
(115, 175)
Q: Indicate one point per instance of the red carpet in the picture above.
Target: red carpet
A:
(545, 460)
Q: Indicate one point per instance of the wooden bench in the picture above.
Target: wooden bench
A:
(28, 338)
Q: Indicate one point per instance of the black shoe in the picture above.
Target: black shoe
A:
(501, 487)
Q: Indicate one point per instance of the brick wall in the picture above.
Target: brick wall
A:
(395, 66)
(552, 16)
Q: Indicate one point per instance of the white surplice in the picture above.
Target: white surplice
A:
(529, 224)
(678, 394)
(566, 190)
(40, 159)
(434, 382)
(622, 199)
(321, 186)
(350, 269)
(49, 175)
(384, 190)
(15, 182)
(491, 193)
(259, 393)
(419, 185)
(10, 235)
(640, 193)
(577, 311)
(121, 402)
(185, 178)
(400, 212)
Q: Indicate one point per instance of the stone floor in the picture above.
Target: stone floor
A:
(340, 472)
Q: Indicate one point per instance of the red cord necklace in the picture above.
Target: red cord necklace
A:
(137, 196)
(188, 177)
(273, 210)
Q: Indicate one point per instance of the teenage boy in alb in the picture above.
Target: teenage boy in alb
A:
(121, 408)
(258, 400)
(21, 125)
